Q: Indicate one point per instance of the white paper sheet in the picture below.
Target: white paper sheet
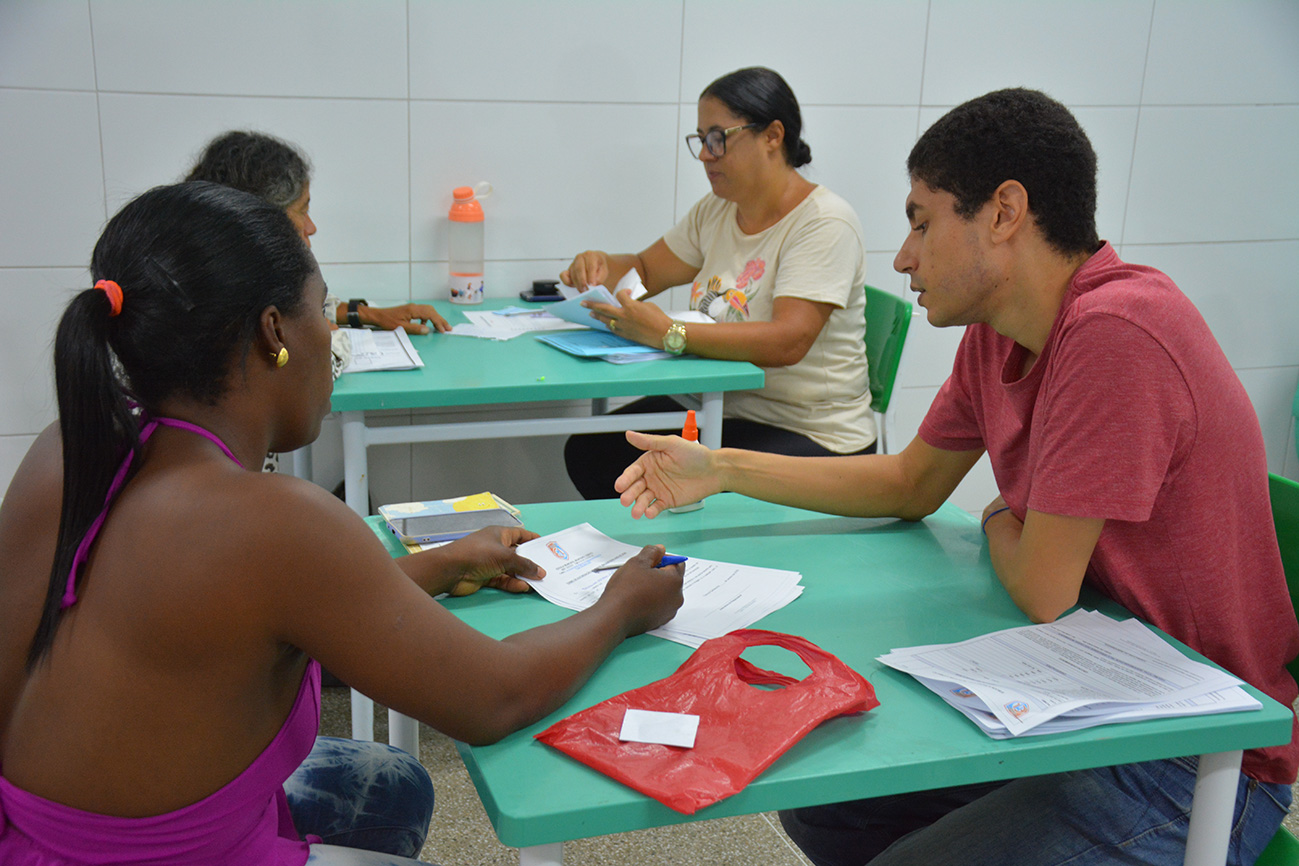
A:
(719, 596)
(381, 350)
(665, 729)
(1081, 670)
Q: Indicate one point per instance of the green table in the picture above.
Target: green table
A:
(465, 371)
(871, 585)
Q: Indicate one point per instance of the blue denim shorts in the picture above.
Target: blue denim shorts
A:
(364, 800)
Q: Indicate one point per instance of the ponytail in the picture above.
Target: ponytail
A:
(97, 427)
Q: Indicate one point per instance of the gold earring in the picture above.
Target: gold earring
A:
(281, 357)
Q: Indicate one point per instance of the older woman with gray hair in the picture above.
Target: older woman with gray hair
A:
(278, 173)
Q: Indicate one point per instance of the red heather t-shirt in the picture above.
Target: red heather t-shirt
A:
(1133, 414)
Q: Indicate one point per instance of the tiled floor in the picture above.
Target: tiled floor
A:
(460, 834)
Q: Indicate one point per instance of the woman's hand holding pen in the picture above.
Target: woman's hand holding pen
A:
(649, 594)
(670, 473)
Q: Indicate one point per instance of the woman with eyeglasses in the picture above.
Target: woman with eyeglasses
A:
(777, 262)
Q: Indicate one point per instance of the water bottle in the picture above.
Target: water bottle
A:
(465, 244)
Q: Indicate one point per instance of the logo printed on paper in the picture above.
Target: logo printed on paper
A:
(962, 692)
(1017, 708)
(559, 552)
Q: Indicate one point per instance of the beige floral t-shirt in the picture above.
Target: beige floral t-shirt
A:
(816, 252)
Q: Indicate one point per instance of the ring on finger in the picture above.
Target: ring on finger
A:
(613, 325)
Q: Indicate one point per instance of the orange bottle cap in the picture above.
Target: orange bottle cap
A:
(690, 432)
(465, 208)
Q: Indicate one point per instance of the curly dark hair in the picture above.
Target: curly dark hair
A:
(271, 169)
(1021, 135)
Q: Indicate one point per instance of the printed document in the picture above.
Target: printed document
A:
(381, 350)
(1085, 669)
(719, 596)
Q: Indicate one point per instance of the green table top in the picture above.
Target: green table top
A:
(466, 371)
(871, 585)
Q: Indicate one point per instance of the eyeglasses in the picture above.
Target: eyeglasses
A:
(714, 140)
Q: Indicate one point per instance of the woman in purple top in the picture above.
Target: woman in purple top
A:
(160, 602)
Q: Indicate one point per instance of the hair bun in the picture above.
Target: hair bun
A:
(803, 153)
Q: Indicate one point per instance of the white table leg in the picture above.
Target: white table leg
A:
(301, 463)
(356, 487)
(542, 855)
(1212, 808)
(711, 435)
(362, 717)
(403, 732)
(356, 469)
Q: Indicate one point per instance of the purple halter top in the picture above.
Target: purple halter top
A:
(83, 549)
(247, 821)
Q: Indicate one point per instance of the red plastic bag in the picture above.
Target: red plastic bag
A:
(742, 729)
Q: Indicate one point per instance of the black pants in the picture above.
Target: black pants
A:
(595, 460)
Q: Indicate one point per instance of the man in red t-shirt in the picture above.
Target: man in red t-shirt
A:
(1126, 453)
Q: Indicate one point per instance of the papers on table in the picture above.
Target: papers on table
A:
(381, 350)
(508, 323)
(1083, 670)
(596, 344)
(719, 596)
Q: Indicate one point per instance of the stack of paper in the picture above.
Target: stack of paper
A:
(381, 350)
(1083, 670)
(719, 596)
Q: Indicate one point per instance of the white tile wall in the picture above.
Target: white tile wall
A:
(831, 53)
(44, 44)
(50, 178)
(577, 119)
(521, 50)
(1223, 53)
(1061, 48)
(252, 48)
(27, 343)
(1214, 174)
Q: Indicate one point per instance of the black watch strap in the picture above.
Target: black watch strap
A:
(353, 314)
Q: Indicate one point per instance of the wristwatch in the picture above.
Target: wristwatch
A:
(674, 340)
(353, 314)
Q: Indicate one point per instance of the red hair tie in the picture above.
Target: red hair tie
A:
(114, 292)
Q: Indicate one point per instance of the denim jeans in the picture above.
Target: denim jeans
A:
(1129, 814)
(355, 794)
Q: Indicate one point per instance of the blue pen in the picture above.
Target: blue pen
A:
(666, 560)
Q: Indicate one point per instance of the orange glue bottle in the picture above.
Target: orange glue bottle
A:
(690, 433)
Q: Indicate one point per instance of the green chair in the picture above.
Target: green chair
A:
(1283, 850)
(887, 319)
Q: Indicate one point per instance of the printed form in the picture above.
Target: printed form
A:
(1084, 669)
(719, 596)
